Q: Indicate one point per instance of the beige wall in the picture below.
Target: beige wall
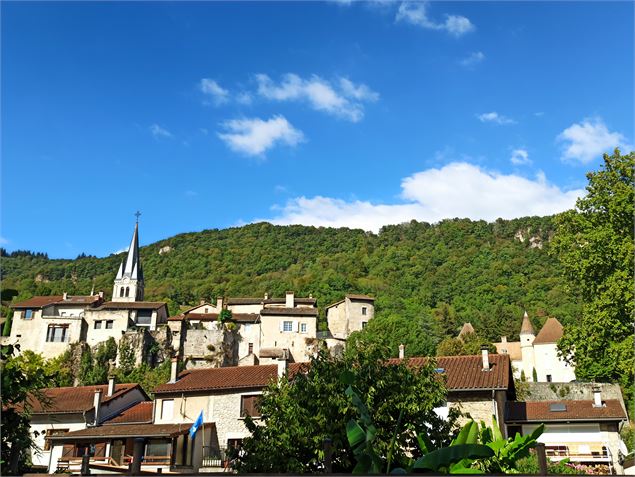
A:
(39, 425)
(479, 409)
(31, 334)
(96, 336)
(223, 409)
(295, 341)
(347, 317)
(548, 363)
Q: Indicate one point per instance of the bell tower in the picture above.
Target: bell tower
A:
(129, 280)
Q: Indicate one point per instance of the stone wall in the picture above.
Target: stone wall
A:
(212, 348)
(569, 391)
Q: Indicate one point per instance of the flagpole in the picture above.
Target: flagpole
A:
(203, 427)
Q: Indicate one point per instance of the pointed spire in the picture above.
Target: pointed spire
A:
(120, 272)
(132, 260)
(526, 327)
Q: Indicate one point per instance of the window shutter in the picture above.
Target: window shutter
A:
(294, 326)
(100, 449)
(67, 450)
(282, 326)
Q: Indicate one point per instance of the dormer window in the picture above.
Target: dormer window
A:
(28, 314)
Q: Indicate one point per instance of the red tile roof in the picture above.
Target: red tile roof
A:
(269, 301)
(139, 413)
(132, 305)
(539, 411)
(466, 372)
(128, 430)
(41, 301)
(551, 332)
(289, 311)
(239, 317)
(351, 297)
(216, 379)
(75, 399)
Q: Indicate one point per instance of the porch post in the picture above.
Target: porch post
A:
(137, 455)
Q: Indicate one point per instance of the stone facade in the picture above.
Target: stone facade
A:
(349, 315)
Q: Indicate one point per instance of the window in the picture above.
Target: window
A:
(549, 378)
(302, 327)
(158, 447)
(167, 407)
(206, 310)
(364, 310)
(57, 334)
(249, 406)
(98, 324)
(144, 317)
(109, 324)
(49, 434)
(121, 292)
(28, 314)
(364, 323)
(234, 443)
(251, 348)
(127, 291)
(287, 325)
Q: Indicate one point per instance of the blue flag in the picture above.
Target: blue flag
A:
(198, 423)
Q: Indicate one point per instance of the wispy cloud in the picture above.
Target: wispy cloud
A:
(433, 195)
(254, 136)
(473, 59)
(343, 98)
(520, 157)
(416, 13)
(494, 117)
(3, 241)
(582, 142)
(214, 93)
(159, 132)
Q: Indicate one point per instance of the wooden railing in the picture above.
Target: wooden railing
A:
(598, 453)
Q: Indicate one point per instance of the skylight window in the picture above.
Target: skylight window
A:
(558, 407)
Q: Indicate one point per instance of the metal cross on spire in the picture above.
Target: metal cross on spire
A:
(137, 215)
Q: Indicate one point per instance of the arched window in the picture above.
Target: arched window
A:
(121, 292)
(127, 291)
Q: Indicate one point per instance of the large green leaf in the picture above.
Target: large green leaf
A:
(467, 435)
(442, 458)
(355, 433)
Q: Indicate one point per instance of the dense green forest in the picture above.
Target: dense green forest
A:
(427, 279)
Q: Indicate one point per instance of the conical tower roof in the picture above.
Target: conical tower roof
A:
(131, 267)
(526, 328)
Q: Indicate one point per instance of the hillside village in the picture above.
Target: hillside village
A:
(222, 355)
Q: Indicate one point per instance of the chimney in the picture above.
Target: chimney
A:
(485, 355)
(290, 301)
(101, 294)
(503, 339)
(65, 296)
(282, 366)
(597, 396)
(97, 405)
(219, 303)
(174, 370)
(402, 351)
(266, 296)
(201, 302)
(111, 385)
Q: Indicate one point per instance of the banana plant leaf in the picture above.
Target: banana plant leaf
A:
(441, 459)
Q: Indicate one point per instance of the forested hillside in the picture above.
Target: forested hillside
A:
(431, 278)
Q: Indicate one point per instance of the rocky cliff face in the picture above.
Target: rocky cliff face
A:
(211, 347)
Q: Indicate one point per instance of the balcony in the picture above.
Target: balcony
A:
(579, 452)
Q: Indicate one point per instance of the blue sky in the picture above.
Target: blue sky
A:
(211, 115)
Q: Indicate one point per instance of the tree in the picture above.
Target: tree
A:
(20, 383)
(594, 243)
(468, 344)
(298, 414)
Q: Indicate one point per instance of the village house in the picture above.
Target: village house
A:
(47, 324)
(67, 409)
(262, 330)
(537, 354)
(478, 386)
(583, 431)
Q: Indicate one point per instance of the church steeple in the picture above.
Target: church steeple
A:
(129, 282)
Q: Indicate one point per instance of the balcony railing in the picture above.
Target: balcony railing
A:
(577, 454)
(213, 457)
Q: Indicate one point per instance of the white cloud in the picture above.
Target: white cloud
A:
(520, 157)
(473, 59)
(494, 117)
(589, 139)
(458, 189)
(159, 132)
(3, 241)
(343, 99)
(214, 91)
(244, 98)
(415, 14)
(254, 136)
